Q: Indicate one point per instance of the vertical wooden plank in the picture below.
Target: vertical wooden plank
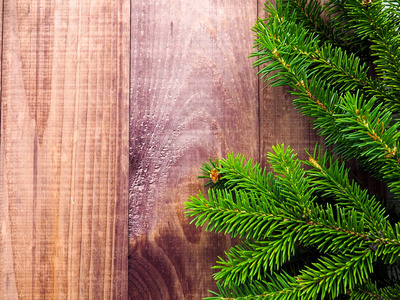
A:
(7, 275)
(280, 122)
(194, 97)
(1, 56)
(64, 156)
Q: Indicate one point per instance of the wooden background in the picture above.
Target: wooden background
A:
(108, 109)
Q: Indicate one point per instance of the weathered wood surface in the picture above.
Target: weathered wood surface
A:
(64, 149)
(194, 97)
(64, 141)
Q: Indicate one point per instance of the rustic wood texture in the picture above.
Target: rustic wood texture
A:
(194, 97)
(64, 158)
(64, 149)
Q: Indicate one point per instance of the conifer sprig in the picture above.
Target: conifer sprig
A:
(349, 236)
(376, 22)
(355, 136)
(331, 180)
(313, 233)
(341, 71)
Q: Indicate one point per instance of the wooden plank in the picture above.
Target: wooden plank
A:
(194, 97)
(1, 56)
(64, 156)
(281, 123)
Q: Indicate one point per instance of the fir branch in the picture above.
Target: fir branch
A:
(373, 142)
(241, 175)
(376, 149)
(245, 215)
(335, 275)
(370, 290)
(237, 213)
(331, 232)
(310, 15)
(375, 21)
(338, 19)
(295, 185)
(331, 179)
(390, 292)
(282, 224)
(278, 287)
(253, 260)
(340, 71)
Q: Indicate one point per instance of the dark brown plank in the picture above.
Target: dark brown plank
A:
(65, 154)
(281, 123)
(194, 97)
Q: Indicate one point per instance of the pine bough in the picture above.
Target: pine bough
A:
(312, 233)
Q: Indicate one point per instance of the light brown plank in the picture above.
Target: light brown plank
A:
(64, 155)
(194, 97)
(1, 56)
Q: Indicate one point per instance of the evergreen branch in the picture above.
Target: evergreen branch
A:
(390, 292)
(375, 147)
(376, 22)
(335, 275)
(374, 143)
(387, 249)
(292, 177)
(394, 8)
(332, 232)
(331, 179)
(326, 278)
(251, 261)
(279, 287)
(370, 290)
(234, 173)
(340, 71)
(245, 215)
(338, 20)
(241, 175)
(367, 291)
(237, 213)
(309, 14)
(209, 171)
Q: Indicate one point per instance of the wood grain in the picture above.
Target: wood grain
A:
(194, 97)
(64, 154)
